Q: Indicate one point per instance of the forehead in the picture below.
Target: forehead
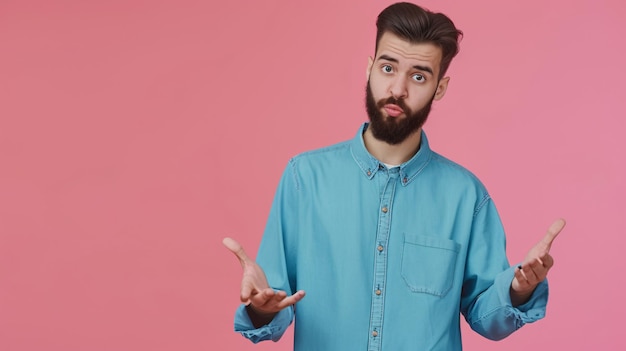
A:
(409, 53)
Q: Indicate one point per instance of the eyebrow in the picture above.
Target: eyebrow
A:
(417, 67)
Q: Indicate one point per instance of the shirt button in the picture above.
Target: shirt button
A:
(405, 179)
(369, 173)
(374, 333)
(378, 292)
(385, 210)
(380, 248)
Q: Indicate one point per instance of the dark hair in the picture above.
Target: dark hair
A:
(418, 25)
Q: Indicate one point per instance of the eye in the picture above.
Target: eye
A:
(387, 68)
(418, 77)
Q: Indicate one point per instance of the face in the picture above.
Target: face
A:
(402, 84)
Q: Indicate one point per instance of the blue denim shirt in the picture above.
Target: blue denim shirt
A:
(389, 258)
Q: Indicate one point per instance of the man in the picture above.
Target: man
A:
(390, 240)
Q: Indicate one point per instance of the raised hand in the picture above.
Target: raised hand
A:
(255, 290)
(536, 265)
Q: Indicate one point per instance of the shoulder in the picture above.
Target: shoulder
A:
(338, 152)
(451, 168)
(454, 176)
(326, 162)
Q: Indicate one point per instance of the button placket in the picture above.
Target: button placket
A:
(380, 260)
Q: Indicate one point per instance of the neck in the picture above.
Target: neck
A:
(392, 154)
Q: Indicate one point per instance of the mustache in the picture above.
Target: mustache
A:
(392, 100)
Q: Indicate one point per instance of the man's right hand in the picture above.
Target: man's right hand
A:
(255, 291)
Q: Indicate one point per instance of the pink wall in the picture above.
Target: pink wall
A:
(134, 135)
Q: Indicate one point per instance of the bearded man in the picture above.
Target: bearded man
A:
(391, 241)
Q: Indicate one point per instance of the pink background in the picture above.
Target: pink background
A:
(134, 135)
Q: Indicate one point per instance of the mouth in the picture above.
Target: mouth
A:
(393, 110)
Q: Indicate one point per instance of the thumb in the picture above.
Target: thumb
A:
(233, 246)
(553, 232)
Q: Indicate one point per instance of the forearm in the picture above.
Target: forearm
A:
(493, 313)
(519, 298)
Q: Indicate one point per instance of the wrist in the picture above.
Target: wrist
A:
(259, 318)
(520, 297)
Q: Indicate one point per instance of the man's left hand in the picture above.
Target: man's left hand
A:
(535, 267)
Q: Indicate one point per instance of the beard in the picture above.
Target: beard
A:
(393, 130)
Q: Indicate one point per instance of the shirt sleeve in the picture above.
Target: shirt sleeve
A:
(495, 317)
(272, 331)
(486, 301)
(275, 257)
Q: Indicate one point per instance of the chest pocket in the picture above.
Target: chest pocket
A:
(428, 264)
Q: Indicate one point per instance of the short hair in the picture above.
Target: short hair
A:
(417, 25)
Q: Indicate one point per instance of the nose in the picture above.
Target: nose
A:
(398, 88)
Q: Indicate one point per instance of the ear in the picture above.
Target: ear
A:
(442, 86)
(370, 62)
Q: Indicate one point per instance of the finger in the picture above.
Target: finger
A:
(246, 292)
(529, 272)
(547, 261)
(273, 302)
(249, 291)
(521, 280)
(280, 295)
(291, 300)
(553, 231)
(274, 298)
(237, 249)
(261, 299)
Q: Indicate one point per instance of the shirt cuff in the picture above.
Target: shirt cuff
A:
(493, 314)
(535, 308)
(271, 331)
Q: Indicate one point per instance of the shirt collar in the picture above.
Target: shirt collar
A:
(369, 165)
